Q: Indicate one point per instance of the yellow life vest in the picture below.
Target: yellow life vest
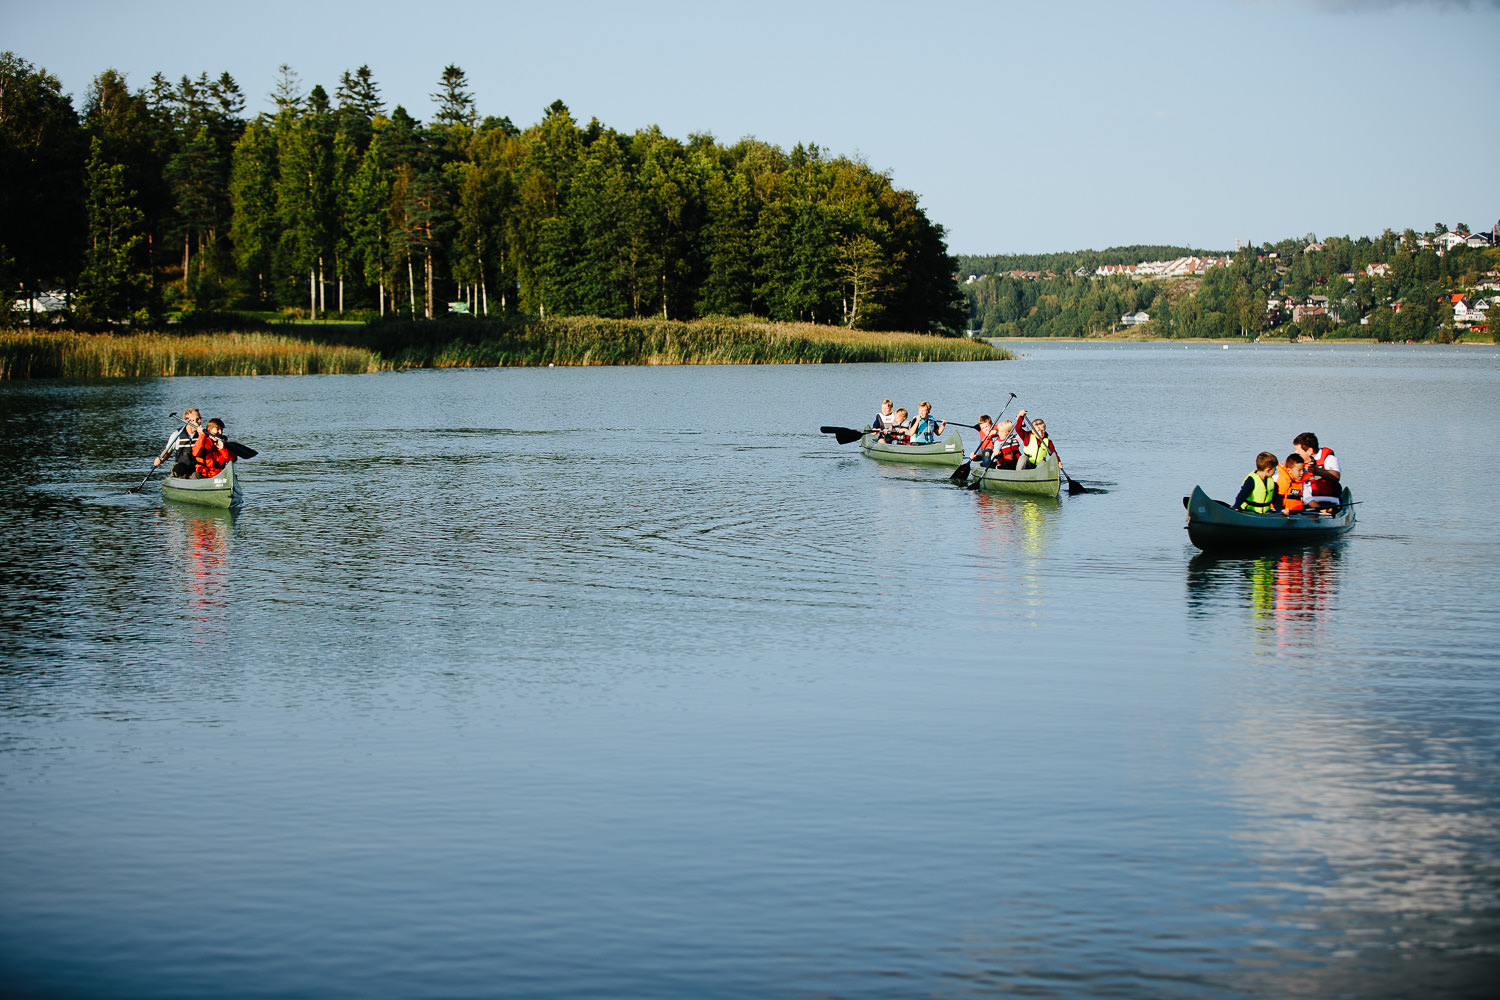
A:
(1262, 493)
(1036, 448)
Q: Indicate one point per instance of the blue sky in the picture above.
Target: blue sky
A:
(1023, 127)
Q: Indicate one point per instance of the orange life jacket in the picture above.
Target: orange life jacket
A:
(1290, 490)
(210, 456)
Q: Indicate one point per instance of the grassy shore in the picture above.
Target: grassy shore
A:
(108, 355)
(466, 343)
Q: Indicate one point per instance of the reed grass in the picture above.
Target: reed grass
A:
(468, 343)
(585, 340)
(106, 355)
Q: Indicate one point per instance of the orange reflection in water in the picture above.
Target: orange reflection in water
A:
(199, 545)
(1289, 594)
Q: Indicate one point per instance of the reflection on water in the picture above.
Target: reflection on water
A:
(703, 705)
(198, 542)
(1286, 595)
(1011, 535)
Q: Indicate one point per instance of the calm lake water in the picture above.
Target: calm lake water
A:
(628, 683)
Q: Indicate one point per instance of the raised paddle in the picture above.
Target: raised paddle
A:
(961, 474)
(1074, 486)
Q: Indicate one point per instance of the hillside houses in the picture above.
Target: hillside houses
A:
(1447, 241)
(1181, 267)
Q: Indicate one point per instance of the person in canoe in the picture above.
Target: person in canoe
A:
(1323, 489)
(925, 430)
(885, 419)
(998, 444)
(1289, 483)
(898, 431)
(1035, 444)
(179, 446)
(210, 452)
(1258, 494)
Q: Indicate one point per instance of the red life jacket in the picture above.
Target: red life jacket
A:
(1323, 487)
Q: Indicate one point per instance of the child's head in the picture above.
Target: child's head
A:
(924, 408)
(1294, 463)
(900, 413)
(885, 406)
(984, 420)
(214, 426)
(1265, 462)
(1005, 426)
(191, 413)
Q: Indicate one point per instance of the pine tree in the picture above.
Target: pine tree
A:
(114, 284)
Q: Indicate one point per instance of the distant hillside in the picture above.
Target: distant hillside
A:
(1410, 286)
(1057, 263)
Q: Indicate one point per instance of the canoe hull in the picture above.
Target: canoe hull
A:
(221, 491)
(1044, 481)
(949, 452)
(1214, 526)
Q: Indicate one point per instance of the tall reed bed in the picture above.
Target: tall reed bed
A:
(106, 355)
(595, 341)
(468, 343)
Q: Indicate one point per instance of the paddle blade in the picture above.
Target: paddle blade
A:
(960, 474)
(241, 450)
(843, 435)
(1075, 488)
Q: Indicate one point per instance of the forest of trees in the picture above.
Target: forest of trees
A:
(168, 199)
(1232, 301)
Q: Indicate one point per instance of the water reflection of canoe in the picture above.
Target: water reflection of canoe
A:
(222, 490)
(1214, 525)
(948, 452)
(1044, 480)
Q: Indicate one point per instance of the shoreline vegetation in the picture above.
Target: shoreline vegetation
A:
(324, 349)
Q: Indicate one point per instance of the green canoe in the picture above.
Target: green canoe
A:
(1045, 480)
(222, 490)
(1214, 525)
(948, 452)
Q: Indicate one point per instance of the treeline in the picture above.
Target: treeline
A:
(169, 199)
(1408, 299)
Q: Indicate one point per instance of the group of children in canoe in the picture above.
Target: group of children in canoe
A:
(199, 449)
(1306, 482)
(1017, 444)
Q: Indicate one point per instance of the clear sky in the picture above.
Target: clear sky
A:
(1023, 127)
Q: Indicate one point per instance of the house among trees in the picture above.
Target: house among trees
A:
(1135, 318)
(1447, 241)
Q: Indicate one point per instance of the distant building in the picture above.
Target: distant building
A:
(1447, 241)
(1135, 318)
